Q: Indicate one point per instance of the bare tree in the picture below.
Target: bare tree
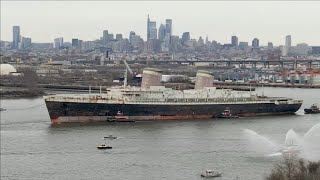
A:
(292, 168)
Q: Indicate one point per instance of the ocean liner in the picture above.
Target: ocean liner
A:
(152, 101)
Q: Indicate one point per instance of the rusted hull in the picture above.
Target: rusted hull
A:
(61, 112)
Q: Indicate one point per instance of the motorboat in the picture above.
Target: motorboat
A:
(111, 137)
(211, 173)
(104, 146)
(227, 114)
(314, 109)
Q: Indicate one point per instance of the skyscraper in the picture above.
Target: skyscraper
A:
(25, 43)
(118, 37)
(105, 36)
(152, 30)
(132, 33)
(58, 43)
(270, 45)
(161, 32)
(169, 26)
(16, 37)
(234, 41)
(148, 26)
(185, 37)
(288, 41)
(286, 48)
(75, 43)
(167, 38)
(255, 43)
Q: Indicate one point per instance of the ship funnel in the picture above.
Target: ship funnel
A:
(203, 79)
(151, 77)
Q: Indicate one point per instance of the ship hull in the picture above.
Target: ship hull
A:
(61, 112)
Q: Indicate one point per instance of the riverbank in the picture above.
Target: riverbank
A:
(19, 92)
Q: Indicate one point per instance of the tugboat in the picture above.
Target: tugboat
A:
(314, 109)
(227, 114)
(120, 117)
(211, 173)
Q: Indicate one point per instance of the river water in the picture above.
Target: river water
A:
(33, 149)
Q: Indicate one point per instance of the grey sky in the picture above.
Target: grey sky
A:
(268, 21)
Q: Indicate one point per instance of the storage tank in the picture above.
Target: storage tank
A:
(6, 69)
(151, 77)
(203, 79)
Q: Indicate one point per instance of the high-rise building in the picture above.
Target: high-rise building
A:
(234, 41)
(243, 45)
(118, 37)
(105, 36)
(185, 37)
(162, 32)
(58, 43)
(169, 26)
(200, 41)
(154, 45)
(270, 45)
(75, 43)
(207, 41)
(255, 43)
(302, 49)
(315, 50)
(16, 37)
(288, 41)
(25, 43)
(174, 43)
(286, 48)
(148, 28)
(153, 30)
(132, 33)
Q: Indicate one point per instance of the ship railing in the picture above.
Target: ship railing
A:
(181, 100)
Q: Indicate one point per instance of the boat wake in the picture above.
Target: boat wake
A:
(299, 112)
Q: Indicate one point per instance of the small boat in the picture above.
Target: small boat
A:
(110, 137)
(227, 114)
(120, 117)
(314, 109)
(104, 146)
(2, 109)
(211, 173)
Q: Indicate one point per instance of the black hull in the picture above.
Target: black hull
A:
(84, 112)
(311, 111)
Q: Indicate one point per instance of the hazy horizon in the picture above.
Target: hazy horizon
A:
(269, 21)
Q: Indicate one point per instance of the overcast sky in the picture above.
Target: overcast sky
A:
(268, 21)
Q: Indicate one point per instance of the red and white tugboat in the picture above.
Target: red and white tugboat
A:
(227, 114)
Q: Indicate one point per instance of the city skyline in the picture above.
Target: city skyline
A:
(305, 30)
